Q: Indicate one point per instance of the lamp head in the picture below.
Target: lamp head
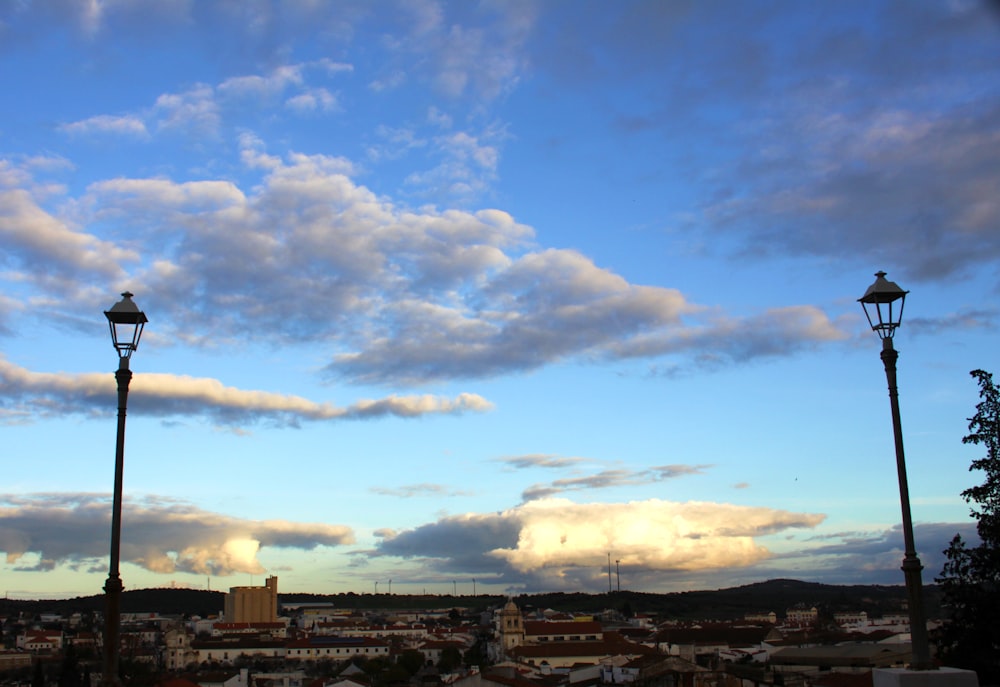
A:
(126, 322)
(883, 305)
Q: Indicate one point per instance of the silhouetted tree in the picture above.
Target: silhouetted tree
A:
(970, 580)
(476, 655)
(411, 661)
(69, 671)
(450, 659)
(38, 679)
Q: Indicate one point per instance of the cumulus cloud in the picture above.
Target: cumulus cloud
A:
(400, 296)
(162, 536)
(33, 394)
(552, 542)
(39, 241)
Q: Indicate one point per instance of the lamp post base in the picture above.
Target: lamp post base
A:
(941, 677)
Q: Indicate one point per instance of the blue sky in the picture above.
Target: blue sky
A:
(453, 291)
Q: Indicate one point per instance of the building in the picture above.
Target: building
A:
(801, 615)
(40, 641)
(253, 604)
(540, 631)
(511, 628)
(337, 648)
(12, 659)
(563, 655)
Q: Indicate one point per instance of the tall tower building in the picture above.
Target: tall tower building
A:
(253, 604)
(511, 627)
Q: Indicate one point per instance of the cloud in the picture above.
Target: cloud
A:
(468, 169)
(611, 478)
(880, 185)
(407, 297)
(555, 543)
(162, 536)
(869, 557)
(203, 109)
(416, 490)
(33, 394)
(539, 460)
(195, 111)
(967, 319)
(266, 86)
(315, 99)
(51, 247)
(128, 126)
(479, 53)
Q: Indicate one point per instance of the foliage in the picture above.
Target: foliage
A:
(970, 580)
(137, 673)
(451, 658)
(69, 671)
(411, 661)
(38, 679)
(477, 654)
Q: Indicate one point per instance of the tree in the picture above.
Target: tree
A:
(38, 679)
(970, 579)
(69, 671)
(451, 658)
(411, 661)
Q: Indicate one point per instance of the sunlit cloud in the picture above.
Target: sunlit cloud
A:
(43, 531)
(48, 394)
(549, 541)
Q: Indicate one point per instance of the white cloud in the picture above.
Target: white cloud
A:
(40, 394)
(194, 111)
(407, 296)
(258, 86)
(313, 100)
(555, 544)
(38, 238)
(649, 534)
(128, 126)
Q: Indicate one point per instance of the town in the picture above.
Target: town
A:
(258, 639)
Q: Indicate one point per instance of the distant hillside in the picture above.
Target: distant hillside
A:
(165, 601)
(773, 595)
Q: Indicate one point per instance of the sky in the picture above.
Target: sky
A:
(456, 297)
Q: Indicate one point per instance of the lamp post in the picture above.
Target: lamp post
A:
(880, 305)
(126, 322)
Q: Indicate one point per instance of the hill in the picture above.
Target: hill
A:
(735, 602)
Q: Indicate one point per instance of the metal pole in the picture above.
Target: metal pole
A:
(911, 567)
(113, 587)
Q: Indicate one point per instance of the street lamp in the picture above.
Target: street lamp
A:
(883, 305)
(126, 322)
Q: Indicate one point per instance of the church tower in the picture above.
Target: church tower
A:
(511, 627)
